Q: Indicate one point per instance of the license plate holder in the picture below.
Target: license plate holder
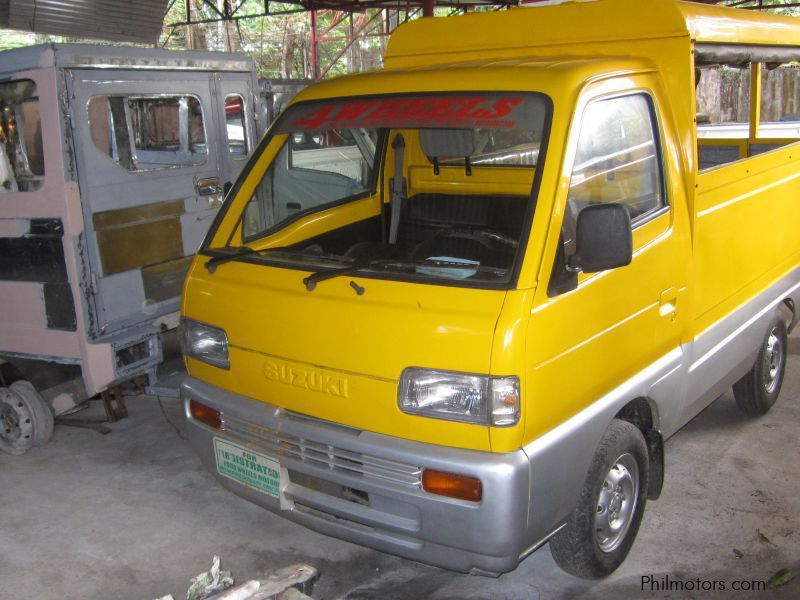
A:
(248, 467)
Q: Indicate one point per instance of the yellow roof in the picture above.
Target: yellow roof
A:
(576, 26)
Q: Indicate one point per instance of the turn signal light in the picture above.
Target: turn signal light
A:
(452, 485)
(204, 414)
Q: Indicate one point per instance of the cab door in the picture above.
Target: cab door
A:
(590, 333)
(148, 165)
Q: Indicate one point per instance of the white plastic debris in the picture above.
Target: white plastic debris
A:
(209, 582)
(282, 584)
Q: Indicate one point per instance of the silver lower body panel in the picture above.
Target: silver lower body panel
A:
(366, 488)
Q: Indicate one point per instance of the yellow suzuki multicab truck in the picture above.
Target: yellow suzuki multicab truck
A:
(451, 309)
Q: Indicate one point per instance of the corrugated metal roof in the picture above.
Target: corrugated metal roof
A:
(116, 20)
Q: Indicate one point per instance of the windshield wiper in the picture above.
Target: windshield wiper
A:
(312, 280)
(212, 264)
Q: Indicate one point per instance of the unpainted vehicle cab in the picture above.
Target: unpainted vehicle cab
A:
(113, 163)
(452, 309)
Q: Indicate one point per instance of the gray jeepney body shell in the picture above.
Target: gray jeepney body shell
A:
(92, 260)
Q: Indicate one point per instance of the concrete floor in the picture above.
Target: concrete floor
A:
(133, 515)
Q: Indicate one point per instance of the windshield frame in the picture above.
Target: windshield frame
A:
(379, 167)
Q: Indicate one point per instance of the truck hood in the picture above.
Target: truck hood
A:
(336, 355)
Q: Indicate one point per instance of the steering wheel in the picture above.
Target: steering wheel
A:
(462, 234)
(482, 236)
(487, 248)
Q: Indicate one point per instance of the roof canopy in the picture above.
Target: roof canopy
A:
(518, 31)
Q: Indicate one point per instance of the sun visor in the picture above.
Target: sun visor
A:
(447, 142)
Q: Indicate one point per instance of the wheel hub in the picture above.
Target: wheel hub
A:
(15, 420)
(616, 503)
(772, 361)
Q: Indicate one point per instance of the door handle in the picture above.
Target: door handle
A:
(667, 302)
(209, 186)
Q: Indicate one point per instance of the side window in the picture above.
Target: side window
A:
(722, 94)
(149, 132)
(726, 115)
(311, 170)
(779, 115)
(617, 159)
(21, 155)
(235, 125)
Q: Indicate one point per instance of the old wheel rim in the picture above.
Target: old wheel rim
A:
(616, 503)
(772, 361)
(16, 422)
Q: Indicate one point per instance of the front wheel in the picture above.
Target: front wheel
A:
(758, 390)
(601, 529)
(25, 418)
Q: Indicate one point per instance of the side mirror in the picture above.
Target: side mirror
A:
(603, 238)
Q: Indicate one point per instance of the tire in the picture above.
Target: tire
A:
(600, 532)
(757, 391)
(25, 418)
(16, 424)
(43, 420)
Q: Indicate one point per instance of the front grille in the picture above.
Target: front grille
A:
(324, 455)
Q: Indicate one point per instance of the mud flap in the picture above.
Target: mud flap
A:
(655, 450)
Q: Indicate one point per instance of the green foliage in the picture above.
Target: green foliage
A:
(780, 578)
(281, 43)
(15, 39)
(775, 6)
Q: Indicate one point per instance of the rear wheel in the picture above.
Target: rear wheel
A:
(758, 390)
(25, 418)
(601, 529)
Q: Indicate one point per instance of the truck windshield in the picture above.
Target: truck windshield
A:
(444, 185)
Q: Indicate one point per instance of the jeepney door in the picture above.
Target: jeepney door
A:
(148, 162)
(234, 101)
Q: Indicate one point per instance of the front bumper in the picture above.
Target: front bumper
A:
(366, 488)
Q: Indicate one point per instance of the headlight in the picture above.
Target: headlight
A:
(206, 343)
(463, 397)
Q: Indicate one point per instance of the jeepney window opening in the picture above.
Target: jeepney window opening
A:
(467, 231)
(236, 125)
(147, 132)
(729, 125)
(21, 150)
